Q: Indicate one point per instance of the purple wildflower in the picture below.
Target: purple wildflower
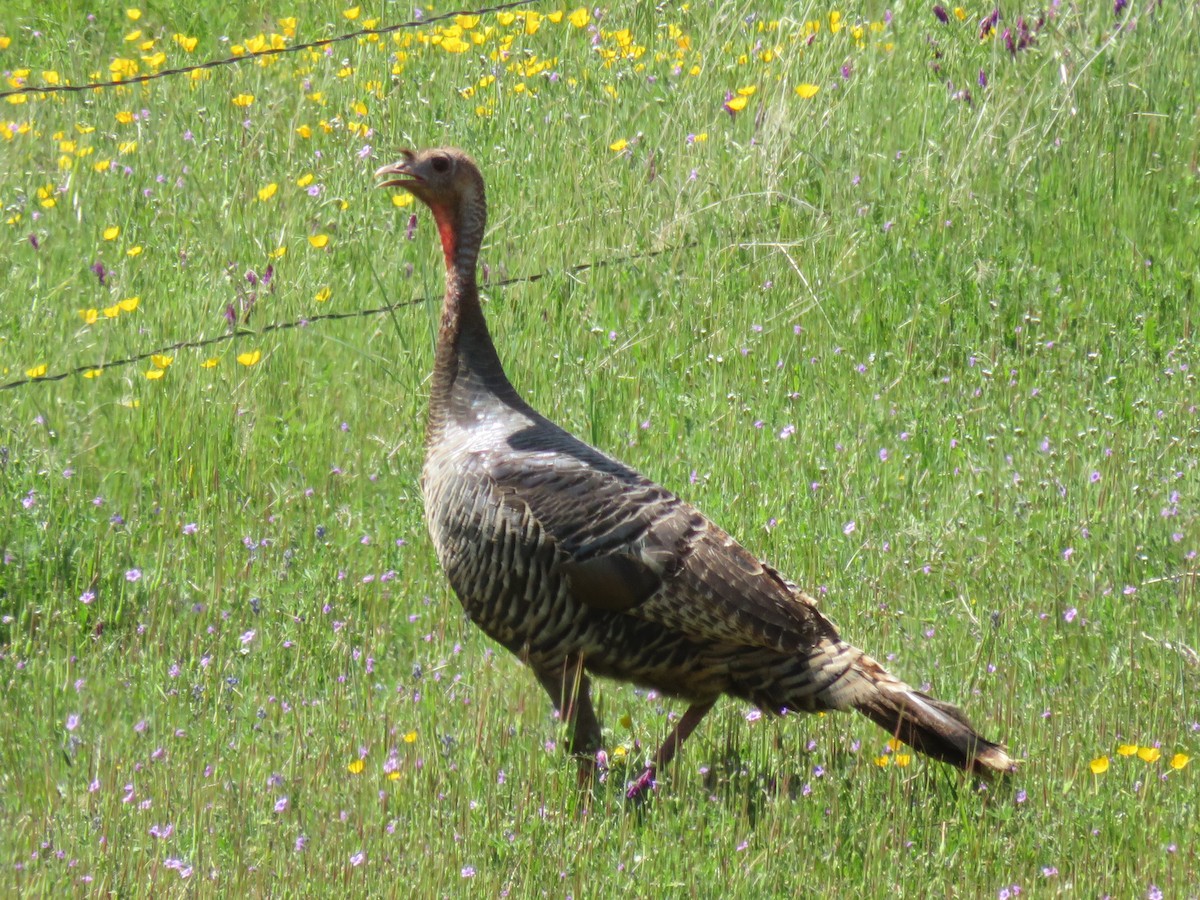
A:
(988, 25)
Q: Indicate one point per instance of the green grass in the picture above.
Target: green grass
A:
(1000, 294)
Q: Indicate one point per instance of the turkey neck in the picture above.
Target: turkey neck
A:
(467, 367)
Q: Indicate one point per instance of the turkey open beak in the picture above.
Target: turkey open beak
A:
(398, 174)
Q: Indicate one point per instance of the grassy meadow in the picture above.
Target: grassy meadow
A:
(906, 303)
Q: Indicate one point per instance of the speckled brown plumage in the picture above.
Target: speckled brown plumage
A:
(579, 565)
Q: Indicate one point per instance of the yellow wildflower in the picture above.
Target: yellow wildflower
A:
(122, 68)
(1149, 754)
(249, 359)
(807, 91)
(318, 240)
(1099, 765)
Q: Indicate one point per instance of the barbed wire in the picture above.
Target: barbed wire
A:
(306, 321)
(273, 51)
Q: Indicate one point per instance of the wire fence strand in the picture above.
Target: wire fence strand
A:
(274, 51)
(306, 321)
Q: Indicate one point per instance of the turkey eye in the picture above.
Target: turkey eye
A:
(440, 164)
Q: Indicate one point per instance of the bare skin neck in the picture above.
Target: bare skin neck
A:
(466, 357)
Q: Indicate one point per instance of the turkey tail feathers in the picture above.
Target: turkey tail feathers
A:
(930, 726)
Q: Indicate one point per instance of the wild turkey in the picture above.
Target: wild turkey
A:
(579, 565)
